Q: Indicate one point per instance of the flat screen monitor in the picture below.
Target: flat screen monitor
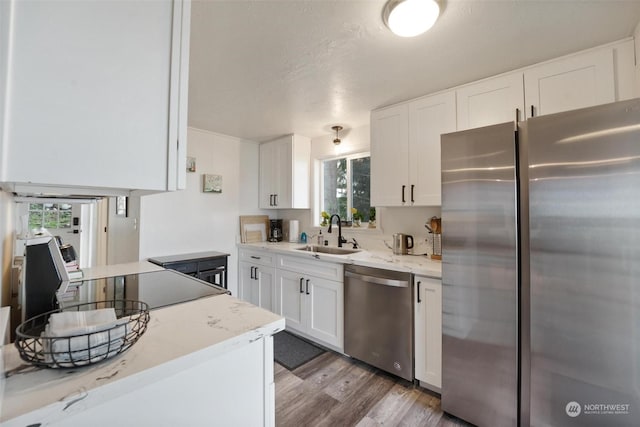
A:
(45, 272)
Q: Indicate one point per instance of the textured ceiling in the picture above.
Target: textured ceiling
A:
(262, 69)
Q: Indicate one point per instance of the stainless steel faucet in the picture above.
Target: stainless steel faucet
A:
(341, 239)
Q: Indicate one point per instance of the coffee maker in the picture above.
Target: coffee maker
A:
(275, 230)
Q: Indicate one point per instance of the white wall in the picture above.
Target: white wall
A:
(7, 235)
(408, 220)
(192, 221)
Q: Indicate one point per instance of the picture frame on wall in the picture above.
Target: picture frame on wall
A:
(211, 183)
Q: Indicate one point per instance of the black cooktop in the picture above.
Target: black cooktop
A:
(156, 288)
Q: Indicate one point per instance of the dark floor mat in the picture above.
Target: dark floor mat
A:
(291, 351)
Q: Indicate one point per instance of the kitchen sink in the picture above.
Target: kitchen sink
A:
(328, 250)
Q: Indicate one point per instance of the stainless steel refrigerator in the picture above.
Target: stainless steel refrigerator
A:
(541, 270)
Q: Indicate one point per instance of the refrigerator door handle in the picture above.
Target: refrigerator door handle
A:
(378, 280)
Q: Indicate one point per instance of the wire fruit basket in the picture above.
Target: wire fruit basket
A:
(38, 347)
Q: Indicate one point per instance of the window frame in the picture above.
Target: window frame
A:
(320, 186)
(42, 211)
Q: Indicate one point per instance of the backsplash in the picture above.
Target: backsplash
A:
(407, 220)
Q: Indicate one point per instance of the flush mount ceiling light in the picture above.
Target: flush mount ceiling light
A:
(409, 18)
(337, 129)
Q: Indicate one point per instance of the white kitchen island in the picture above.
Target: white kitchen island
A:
(201, 363)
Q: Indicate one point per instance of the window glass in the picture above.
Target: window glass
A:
(360, 189)
(335, 187)
(346, 185)
(49, 215)
(35, 219)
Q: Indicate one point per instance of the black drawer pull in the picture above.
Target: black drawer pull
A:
(301, 279)
(307, 286)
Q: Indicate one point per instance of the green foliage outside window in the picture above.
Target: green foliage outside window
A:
(346, 185)
(49, 215)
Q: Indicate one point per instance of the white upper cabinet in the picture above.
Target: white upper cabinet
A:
(284, 173)
(389, 156)
(405, 138)
(96, 94)
(429, 118)
(405, 150)
(490, 101)
(577, 81)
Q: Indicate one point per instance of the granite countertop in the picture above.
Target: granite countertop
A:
(417, 264)
(177, 338)
(117, 270)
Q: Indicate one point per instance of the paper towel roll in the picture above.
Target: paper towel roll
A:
(294, 230)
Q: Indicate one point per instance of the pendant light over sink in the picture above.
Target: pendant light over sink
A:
(337, 129)
(409, 18)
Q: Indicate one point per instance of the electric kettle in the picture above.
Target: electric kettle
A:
(402, 243)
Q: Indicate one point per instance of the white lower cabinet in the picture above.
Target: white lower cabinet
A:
(257, 278)
(290, 297)
(312, 305)
(428, 331)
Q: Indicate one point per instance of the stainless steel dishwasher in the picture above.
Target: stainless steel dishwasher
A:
(378, 318)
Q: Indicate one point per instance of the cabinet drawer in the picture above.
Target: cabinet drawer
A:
(211, 264)
(257, 257)
(183, 267)
(312, 267)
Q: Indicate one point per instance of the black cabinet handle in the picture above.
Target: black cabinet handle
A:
(255, 257)
(275, 200)
(403, 187)
(517, 115)
(301, 279)
(418, 293)
(252, 272)
(270, 199)
(307, 286)
(255, 273)
(532, 112)
(412, 185)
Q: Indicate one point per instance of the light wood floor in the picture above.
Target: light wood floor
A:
(334, 390)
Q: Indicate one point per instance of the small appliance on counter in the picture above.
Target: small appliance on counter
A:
(291, 228)
(436, 227)
(402, 243)
(275, 230)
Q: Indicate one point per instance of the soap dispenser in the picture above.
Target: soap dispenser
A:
(320, 238)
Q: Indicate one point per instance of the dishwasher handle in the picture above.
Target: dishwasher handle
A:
(378, 280)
